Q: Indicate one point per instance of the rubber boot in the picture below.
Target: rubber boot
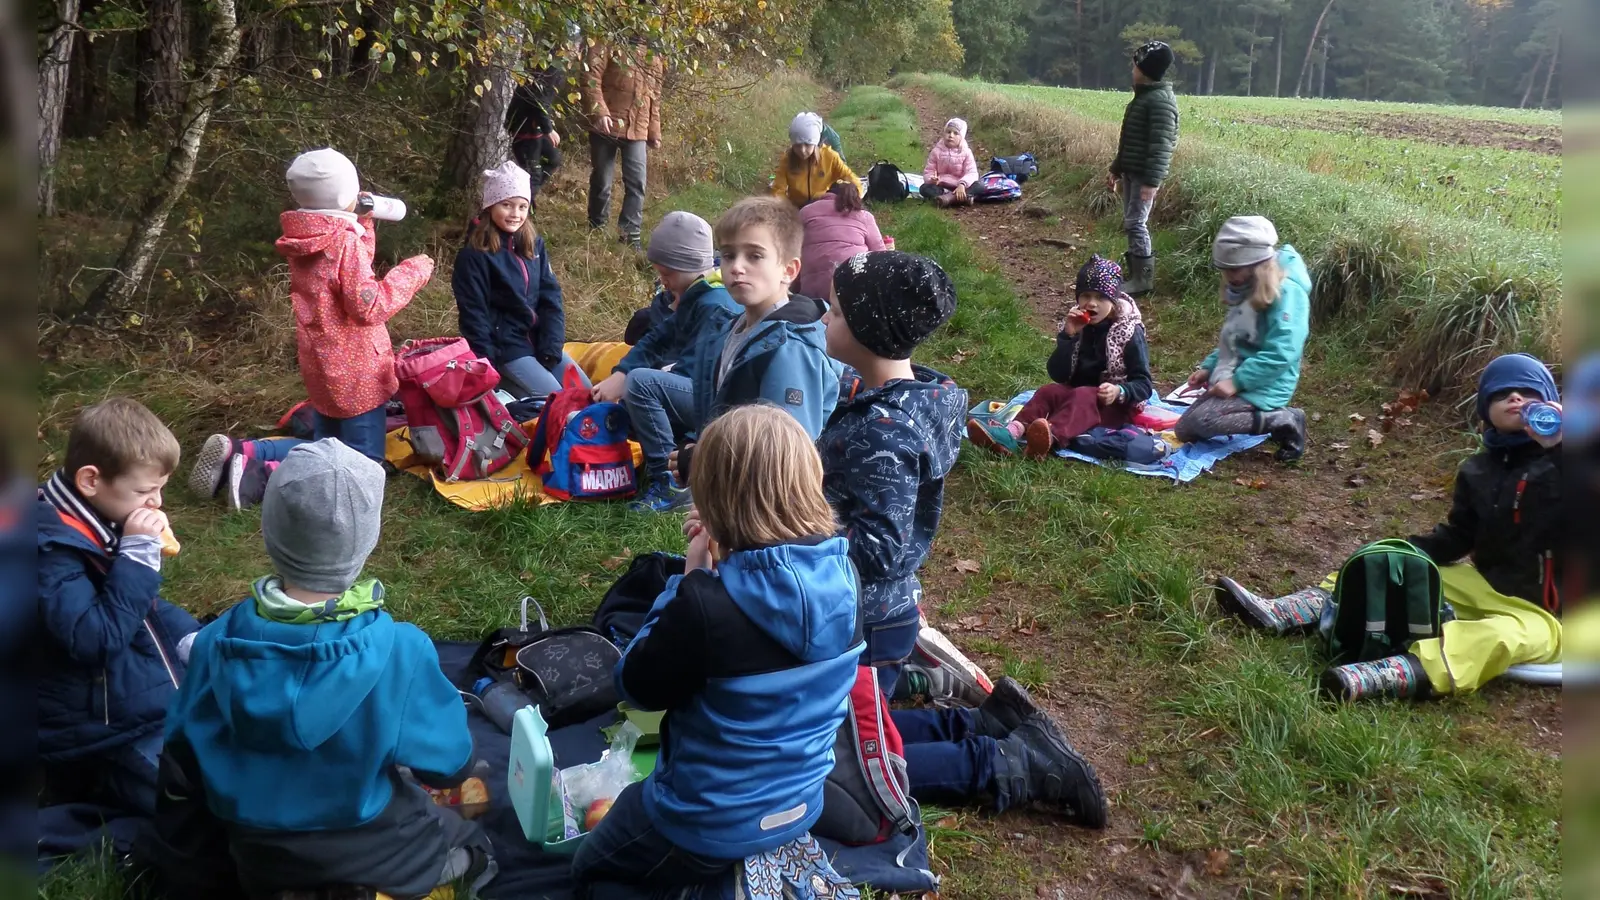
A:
(1287, 427)
(1006, 709)
(1399, 677)
(1140, 275)
(1296, 613)
(1033, 767)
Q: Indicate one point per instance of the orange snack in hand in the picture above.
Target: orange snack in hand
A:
(169, 542)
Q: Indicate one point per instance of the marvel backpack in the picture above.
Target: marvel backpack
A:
(1021, 167)
(1388, 596)
(884, 182)
(455, 423)
(994, 187)
(580, 449)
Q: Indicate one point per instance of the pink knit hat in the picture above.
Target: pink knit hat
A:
(505, 182)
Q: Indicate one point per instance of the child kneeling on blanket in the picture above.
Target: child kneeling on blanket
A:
(302, 702)
(752, 653)
(1101, 372)
(1506, 517)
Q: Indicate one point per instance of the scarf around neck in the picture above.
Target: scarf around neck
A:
(272, 603)
(1117, 337)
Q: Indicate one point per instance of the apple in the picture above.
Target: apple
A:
(597, 811)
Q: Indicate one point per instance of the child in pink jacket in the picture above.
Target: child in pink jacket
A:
(837, 228)
(951, 169)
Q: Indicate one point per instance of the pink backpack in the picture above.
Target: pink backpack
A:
(456, 423)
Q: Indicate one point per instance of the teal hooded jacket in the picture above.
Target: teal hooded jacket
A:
(1269, 368)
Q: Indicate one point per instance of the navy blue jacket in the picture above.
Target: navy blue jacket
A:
(885, 455)
(690, 337)
(509, 306)
(110, 662)
(785, 362)
(753, 664)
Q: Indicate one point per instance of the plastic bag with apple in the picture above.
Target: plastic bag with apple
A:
(593, 787)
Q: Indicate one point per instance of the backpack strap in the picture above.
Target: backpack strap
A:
(873, 751)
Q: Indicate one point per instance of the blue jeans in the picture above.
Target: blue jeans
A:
(364, 434)
(274, 449)
(626, 850)
(527, 379)
(947, 763)
(660, 408)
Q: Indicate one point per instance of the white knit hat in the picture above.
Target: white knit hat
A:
(805, 129)
(960, 125)
(323, 179)
(1244, 241)
(507, 181)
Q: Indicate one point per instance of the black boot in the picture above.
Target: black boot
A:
(1288, 427)
(1141, 274)
(1034, 766)
(1008, 707)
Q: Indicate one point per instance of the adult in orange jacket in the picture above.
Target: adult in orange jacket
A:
(622, 98)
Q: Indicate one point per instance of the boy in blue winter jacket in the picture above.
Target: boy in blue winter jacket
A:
(752, 653)
(113, 650)
(303, 701)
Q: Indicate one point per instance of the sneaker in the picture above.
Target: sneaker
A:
(633, 242)
(210, 464)
(1398, 677)
(663, 495)
(1038, 440)
(247, 481)
(992, 437)
(940, 685)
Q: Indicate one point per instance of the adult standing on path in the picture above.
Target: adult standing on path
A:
(622, 96)
(1144, 151)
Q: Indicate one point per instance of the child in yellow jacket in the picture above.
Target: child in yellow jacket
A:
(809, 167)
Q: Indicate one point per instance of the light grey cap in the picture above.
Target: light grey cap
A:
(321, 515)
(1244, 241)
(682, 243)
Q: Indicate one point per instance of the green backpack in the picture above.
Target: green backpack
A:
(1388, 597)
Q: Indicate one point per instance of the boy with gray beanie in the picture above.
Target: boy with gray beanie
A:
(660, 403)
(303, 700)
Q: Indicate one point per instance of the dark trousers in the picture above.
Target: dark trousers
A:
(538, 157)
(626, 851)
(603, 153)
(947, 762)
(1071, 411)
(888, 646)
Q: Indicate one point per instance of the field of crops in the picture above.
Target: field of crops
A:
(1501, 166)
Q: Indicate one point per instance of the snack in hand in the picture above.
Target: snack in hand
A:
(169, 542)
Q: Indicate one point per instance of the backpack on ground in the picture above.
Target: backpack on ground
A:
(580, 448)
(867, 797)
(994, 187)
(884, 183)
(627, 602)
(1388, 596)
(566, 672)
(1021, 167)
(456, 424)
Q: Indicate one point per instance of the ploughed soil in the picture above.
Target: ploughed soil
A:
(1448, 131)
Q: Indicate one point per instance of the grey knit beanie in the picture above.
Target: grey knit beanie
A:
(321, 515)
(805, 129)
(1244, 241)
(682, 243)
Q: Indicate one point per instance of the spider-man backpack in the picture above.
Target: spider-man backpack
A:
(587, 446)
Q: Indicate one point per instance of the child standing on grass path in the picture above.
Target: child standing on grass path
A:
(951, 170)
(1144, 151)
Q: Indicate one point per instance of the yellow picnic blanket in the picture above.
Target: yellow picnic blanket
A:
(516, 482)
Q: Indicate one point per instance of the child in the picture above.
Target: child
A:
(114, 650)
(808, 168)
(340, 309)
(951, 170)
(1499, 554)
(751, 653)
(305, 698)
(507, 298)
(535, 143)
(1101, 371)
(1144, 151)
(660, 403)
(837, 227)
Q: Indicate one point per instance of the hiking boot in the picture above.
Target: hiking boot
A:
(247, 481)
(992, 437)
(663, 495)
(1140, 275)
(633, 242)
(211, 463)
(1399, 677)
(1036, 766)
(1007, 708)
(1037, 440)
(1295, 613)
(1287, 427)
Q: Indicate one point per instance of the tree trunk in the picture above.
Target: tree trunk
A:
(139, 253)
(1077, 44)
(1305, 64)
(480, 141)
(1322, 82)
(1533, 74)
(158, 84)
(1211, 72)
(54, 66)
(1277, 75)
(1549, 75)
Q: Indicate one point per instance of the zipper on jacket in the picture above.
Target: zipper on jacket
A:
(166, 663)
(105, 694)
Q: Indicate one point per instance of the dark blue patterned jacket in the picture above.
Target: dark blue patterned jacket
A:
(885, 455)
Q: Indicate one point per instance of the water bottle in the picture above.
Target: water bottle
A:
(1542, 418)
(387, 209)
(500, 701)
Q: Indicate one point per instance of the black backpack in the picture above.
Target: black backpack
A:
(623, 609)
(566, 672)
(1021, 167)
(886, 183)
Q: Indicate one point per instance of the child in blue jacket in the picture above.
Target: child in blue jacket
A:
(752, 653)
(113, 651)
(507, 296)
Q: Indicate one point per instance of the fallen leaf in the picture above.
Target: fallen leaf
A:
(1340, 447)
(524, 575)
(1357, 418)
(1374, 437)
(1119, 849)
(616, 562)
(1355, 481)
(1419, 497)
(968, 566)
(946, 822)
(972, 623)
(1254, 484)
(1316, 417)
(1217, 862)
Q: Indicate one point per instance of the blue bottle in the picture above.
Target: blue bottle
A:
(500, 701)
(1542, 418)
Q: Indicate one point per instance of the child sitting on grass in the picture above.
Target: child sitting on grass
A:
(752, 653)
(303, 701)
(951, 169)
(809, 167)
(1499, 554)
(113, 650)
(1101, 371)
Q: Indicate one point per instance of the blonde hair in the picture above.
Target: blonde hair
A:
(757, 480)
(1269, 282)
(773, 213)
(117, 434)
(486, 235)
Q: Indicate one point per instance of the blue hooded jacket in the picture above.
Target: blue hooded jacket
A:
(754, 664)
(509, 307)
(690, 337)
(785, 362)
(1269, 369)
(299, 727)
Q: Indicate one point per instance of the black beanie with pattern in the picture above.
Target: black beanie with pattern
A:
(893, 301)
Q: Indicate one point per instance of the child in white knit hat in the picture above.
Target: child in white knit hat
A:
(506, 294)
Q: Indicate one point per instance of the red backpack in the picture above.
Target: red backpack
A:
(867, 797)
(456, 423)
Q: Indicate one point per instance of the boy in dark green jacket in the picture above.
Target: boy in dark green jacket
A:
(1149, 134)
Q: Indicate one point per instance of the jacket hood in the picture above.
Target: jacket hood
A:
(799, 319)
(295, 686)
(792, 591)
(1294, 267)
(306, 233)
(931, 401)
